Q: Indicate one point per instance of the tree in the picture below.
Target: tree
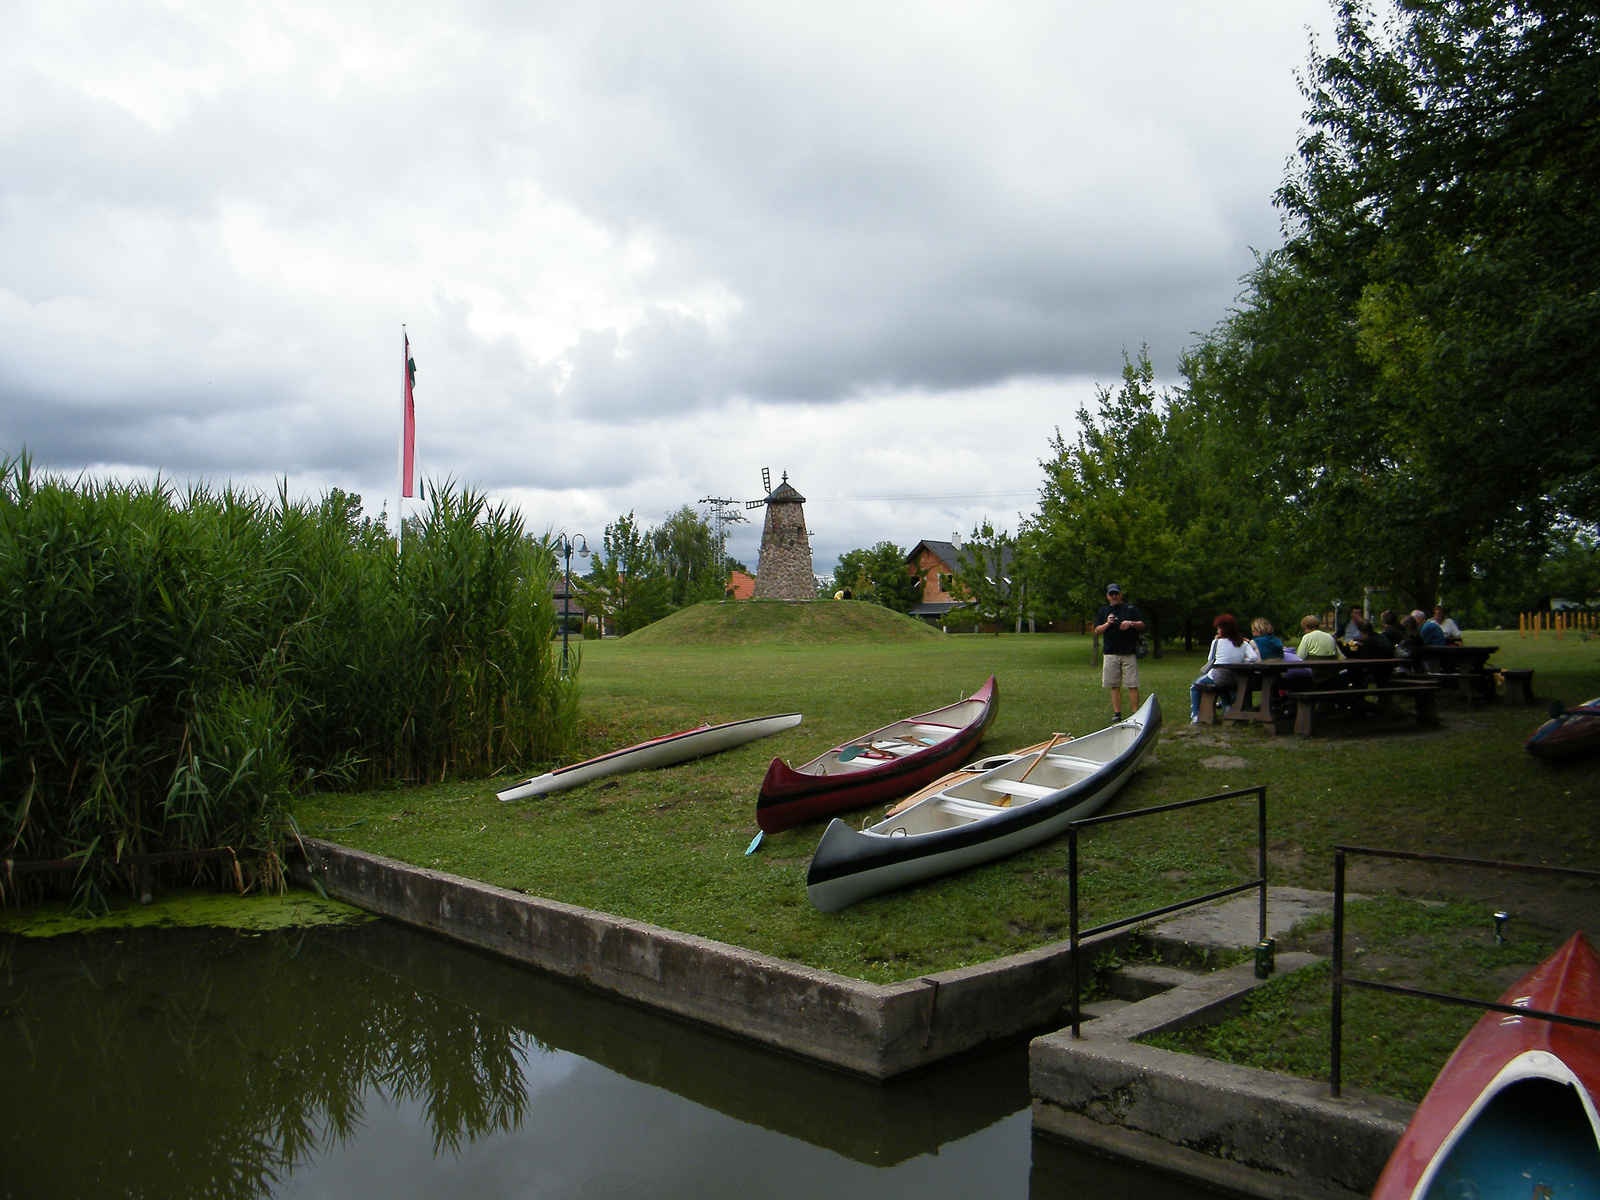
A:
(685, 547)
(1417, 359)
(987, 575)
(879, 575)
(627, 578)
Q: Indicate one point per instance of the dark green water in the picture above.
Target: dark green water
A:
(371, 1061)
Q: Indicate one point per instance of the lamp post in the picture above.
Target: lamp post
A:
(565, 545)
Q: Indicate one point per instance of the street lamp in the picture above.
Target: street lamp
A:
(565, 546)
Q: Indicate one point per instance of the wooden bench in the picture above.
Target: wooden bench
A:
(1421, 695)
(1208, 702)
(1470, 686)
(1519, 686)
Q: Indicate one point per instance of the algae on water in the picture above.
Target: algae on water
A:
(176, 909)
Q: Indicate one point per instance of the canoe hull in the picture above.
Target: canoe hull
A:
(658, 752)
(850, 866)
(792, 796)
(1517, 1098)
(1575, 732)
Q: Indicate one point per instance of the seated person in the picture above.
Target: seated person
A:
(1298, 672)
(1268, 643)
(1432, 635)
(1452, 631)
(1391, 627)
(1229, 646)
(1374, 645)
(1315, 642)
(1410, 644)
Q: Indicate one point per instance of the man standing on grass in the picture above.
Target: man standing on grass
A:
(1119, 626)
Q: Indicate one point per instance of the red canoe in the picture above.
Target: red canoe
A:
(1513, 1111)
(881, 765)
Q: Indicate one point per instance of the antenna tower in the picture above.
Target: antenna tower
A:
(724, 512)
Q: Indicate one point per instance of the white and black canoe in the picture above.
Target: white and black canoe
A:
(979, 818)
(657, 752)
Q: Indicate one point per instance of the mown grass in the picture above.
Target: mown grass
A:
(667, 846)
(1394, 1045)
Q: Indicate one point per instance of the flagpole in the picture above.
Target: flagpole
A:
(400, 492)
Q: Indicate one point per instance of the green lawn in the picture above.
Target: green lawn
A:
(1394, 1045)
(667, 846)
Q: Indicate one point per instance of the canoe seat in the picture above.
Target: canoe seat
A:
(1011, 787)
(972, 809)
(1076, 764)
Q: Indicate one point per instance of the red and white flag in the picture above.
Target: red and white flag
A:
(408, 423)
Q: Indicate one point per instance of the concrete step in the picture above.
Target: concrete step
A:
(1203, 1000)
(1102, 1007)
(1200, 935)
(1137, 981)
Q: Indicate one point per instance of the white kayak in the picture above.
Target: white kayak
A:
(657, 752)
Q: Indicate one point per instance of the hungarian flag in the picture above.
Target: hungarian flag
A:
(408, 424)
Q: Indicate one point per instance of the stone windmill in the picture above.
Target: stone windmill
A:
(783, 572)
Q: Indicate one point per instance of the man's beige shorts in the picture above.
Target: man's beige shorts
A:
(1120, 670)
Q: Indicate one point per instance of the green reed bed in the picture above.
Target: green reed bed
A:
(179, 665)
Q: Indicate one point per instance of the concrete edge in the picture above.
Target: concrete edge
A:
(878, 1030)
(1251, 1131)
(1199, 1000)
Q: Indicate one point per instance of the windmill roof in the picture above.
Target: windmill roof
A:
(785, 494)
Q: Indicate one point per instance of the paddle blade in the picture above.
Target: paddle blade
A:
(755, 842)
(850, 752)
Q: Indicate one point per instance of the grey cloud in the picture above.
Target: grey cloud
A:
(886, 197)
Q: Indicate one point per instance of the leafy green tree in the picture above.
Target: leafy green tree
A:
(879, 575)
(1417, 359)
(1572, 570)
(627, 577)
(685, 547)
(1164, 496)
(988, 575)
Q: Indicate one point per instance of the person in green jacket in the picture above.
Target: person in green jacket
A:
(1315, 642)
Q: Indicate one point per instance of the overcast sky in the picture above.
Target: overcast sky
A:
(642, 250)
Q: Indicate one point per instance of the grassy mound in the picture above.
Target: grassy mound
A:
(754, 622)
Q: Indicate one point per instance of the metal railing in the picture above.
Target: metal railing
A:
(1342, 981)
(1075, 935)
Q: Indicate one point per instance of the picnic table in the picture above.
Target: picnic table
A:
(1343, 678)
(1461, 669)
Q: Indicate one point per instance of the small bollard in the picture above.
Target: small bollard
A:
(1500, 919)
(1266, 958)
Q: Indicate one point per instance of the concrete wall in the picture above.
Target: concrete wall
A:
(872, 1029)
(1256, 1133)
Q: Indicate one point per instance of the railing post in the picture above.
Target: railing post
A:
(1337, 1015)
(1261, 796)
(1072, 920)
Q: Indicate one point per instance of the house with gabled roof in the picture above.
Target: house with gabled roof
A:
(936, 563)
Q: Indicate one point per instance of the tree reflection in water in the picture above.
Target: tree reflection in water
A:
(169, 1063)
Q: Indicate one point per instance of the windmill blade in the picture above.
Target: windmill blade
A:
(766, 480)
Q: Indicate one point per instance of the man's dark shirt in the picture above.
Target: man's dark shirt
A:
(1117, 640)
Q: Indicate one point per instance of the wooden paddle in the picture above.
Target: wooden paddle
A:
(1055, 740)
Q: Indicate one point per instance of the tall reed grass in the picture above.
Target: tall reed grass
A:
(180, 664)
